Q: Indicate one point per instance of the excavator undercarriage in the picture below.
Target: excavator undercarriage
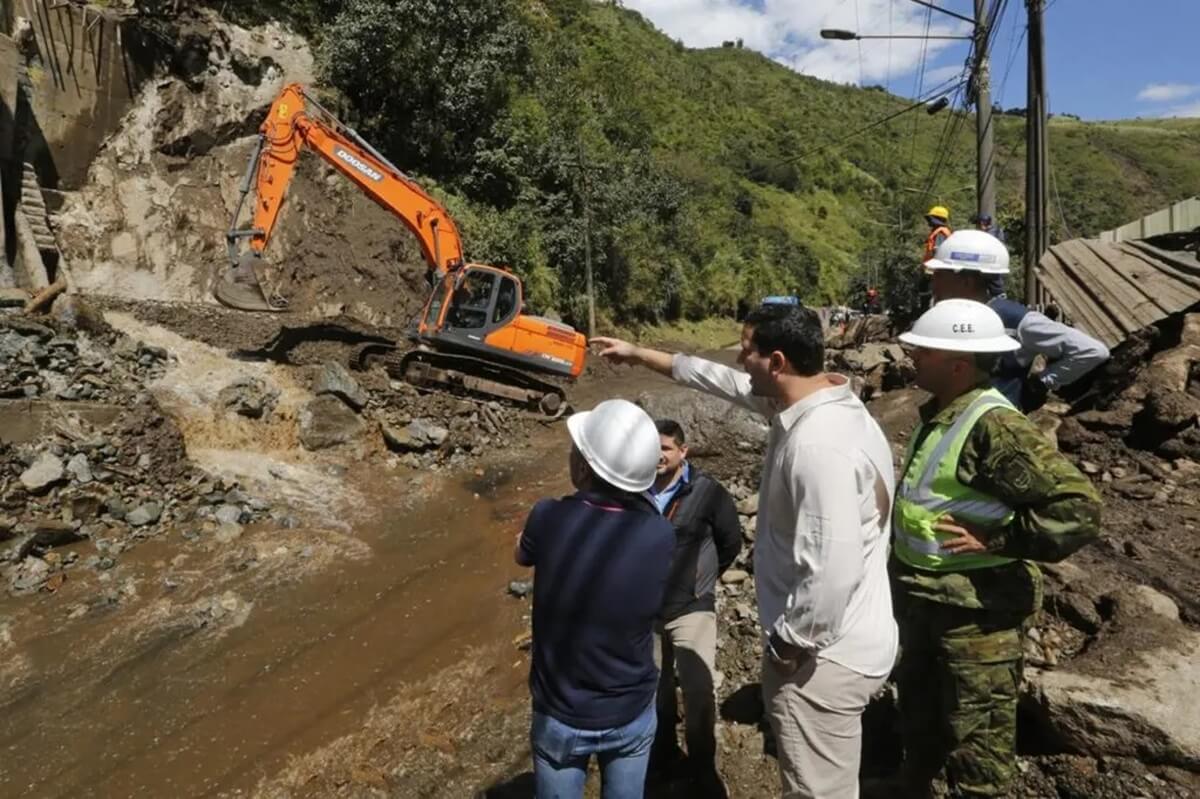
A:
(465, 376)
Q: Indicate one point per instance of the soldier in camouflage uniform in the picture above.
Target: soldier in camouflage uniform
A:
(984, 494)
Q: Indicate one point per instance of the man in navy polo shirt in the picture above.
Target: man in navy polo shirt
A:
(601, 558)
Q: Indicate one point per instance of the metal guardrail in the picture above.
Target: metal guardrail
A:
(1183, 215)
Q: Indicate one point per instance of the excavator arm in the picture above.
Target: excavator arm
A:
(296, 122)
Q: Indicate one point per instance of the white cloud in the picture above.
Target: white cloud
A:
(789, 32)
(1167, 92)
(1189, 110)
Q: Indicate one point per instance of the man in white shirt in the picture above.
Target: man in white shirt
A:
(820, 557)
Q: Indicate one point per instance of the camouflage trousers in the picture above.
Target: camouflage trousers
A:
(958, 679)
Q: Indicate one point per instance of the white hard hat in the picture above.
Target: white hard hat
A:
(620, 442)
(974, 250)
(960, 326)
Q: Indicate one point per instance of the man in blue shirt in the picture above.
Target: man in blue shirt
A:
(708, 538)
(601, 558)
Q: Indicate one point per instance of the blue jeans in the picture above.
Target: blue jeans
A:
(561, 754)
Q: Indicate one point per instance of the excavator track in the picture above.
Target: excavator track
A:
(465, 375)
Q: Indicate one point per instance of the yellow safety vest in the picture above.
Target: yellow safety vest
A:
(930, 489)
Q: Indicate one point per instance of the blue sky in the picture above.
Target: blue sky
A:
(1106, 59)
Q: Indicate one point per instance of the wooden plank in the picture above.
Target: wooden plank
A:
(1107, 289)
(1187, 285)
(1109, 286)
(1178, 260)
(1145, 278)
(1081, 308)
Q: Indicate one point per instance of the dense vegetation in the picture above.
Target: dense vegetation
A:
(710, 177)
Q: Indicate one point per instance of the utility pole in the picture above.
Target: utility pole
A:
(587, 256)
(985, 175)
(587, 236)
(1035, 152)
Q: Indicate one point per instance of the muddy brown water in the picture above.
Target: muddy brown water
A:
(176, 714)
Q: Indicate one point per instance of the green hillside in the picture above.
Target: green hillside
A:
(713, 177)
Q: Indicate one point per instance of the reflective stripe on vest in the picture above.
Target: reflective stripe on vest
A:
(931, 242)
(930, 490)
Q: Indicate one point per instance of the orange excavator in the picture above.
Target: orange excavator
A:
(471, 337)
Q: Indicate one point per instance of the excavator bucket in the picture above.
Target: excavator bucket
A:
(238, 287)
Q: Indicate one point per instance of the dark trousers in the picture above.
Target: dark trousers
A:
(958, 680)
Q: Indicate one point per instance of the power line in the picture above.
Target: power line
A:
(942, 89)
(1058, 200)
(920, 79)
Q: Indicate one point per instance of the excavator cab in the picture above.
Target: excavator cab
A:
(476, 311)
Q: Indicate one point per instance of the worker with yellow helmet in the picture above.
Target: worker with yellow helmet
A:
(938, 218)
(982, 496)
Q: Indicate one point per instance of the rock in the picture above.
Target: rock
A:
(249, 397)
(869, 356)
(520, 588)
(416, 436)
(335, 380)
(1077, 610)
(152, 352)
(734, 576)
(44, 473)
(229, 514)
(1142, 709)
(79, 468)
(713, 427)
(326, 422)
(29, 574)
(425, 430)
(116, 507)
(146, 513)
(1087, 467)
(749, 505)
(1155, 602)
(84, 507)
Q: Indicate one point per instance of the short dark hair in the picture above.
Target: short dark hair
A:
(672, 428)
(793, 330)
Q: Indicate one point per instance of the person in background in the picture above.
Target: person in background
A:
(961, 269)
(822, 530)
(601, 558)
(996, 283)
(708, 538)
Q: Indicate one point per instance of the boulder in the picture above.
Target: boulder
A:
(146, 513)
(43, 473)
(868, 356)
(336, 380)
(79, 468)
(417, 436)
(713, 426)
(249, 397)
(326, 422)
(1130, 694)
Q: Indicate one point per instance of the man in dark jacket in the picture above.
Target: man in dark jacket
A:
(708, 537)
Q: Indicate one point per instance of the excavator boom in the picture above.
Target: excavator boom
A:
(294, 123)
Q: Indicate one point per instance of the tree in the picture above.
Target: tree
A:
(427, 79)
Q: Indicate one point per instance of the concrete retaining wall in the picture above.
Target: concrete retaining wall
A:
(82, 81)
